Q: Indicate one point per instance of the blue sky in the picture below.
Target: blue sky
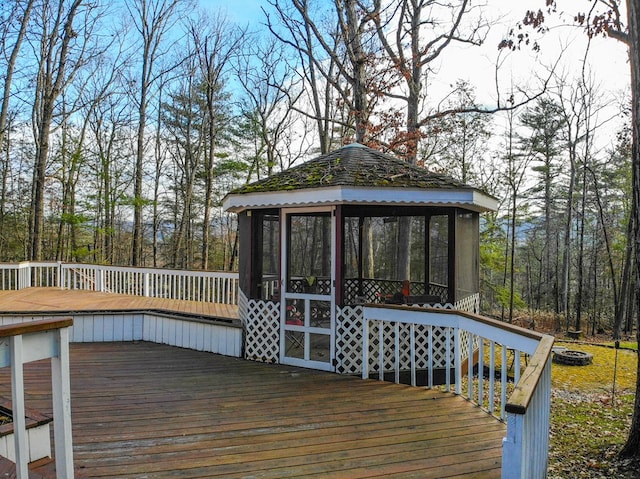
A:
(240, 11)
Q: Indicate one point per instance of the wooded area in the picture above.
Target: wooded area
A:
(124, 124)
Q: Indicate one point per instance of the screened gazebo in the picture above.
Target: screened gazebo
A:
(352, 227)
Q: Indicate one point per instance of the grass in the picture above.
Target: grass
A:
(625, 345)
(598, 376)
(589, 424)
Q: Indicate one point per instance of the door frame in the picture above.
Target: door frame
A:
(306, 329)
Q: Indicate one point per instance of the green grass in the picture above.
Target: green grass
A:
(625, 344)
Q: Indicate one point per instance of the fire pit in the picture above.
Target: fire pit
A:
(572, 357)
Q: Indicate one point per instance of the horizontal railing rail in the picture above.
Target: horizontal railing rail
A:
(477, 352)
(204, 286)
(33, 341)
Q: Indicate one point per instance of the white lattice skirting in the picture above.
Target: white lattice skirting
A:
(261, 321)
(470, 304)
(349, 340)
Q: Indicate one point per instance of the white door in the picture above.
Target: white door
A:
(308, 302)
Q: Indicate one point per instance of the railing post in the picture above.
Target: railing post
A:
(100, 279)
(24, 275)
(64, 276)
(365, 347)
(512, 447)
(145, 285)
(61, 393)
(19, 422)
(59, 275)
(457, 359)
(380, 350)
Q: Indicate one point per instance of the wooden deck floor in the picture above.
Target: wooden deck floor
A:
(143, 410)
(54, 300)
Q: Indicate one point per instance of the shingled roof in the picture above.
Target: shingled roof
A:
(349, 170)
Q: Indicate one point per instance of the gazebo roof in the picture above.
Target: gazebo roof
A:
(355, 174)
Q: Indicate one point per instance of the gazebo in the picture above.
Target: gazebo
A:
(351, 227)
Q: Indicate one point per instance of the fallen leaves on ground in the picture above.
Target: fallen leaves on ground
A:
(589, 424)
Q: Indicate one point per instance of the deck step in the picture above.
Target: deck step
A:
(8, 470)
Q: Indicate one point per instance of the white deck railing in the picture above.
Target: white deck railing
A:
(33, 341)
(488, 345)
(205, 286)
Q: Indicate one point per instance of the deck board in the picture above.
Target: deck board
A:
(54, 300)
(143, 410)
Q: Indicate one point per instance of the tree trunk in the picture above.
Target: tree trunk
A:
(4, 109)
(566, 264)
(625, 287)
(52, 75)
(136, 247)
(209, 156)
(512, 264)
(358, 60)
(152, 18)
(632, 446)
(579, 300)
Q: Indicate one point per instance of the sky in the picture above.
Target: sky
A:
(607, 58)
(243, 12)
(479, 62)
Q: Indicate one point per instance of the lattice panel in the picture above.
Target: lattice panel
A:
(422, 346)
(320, 286)
(465, 337)
(262, 331)
(422, 333)
(389, 342)
(405, 346)
(243, 307)
(439, 340)
(374, 290)
(374, 334)
(352, 296)
(471, 304)
(437, 306)
(349, 340)
(349, 343)
(438, 290)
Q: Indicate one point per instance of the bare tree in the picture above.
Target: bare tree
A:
(20, 12)
(215, 46)
(517, 163)
(414, 34)
(62, 48)
(152, 20)
(338, 58)
(271, 93)
(545, 127)
(111, 127)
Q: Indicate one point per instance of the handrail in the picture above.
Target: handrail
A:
(523, 393)
(8, 330)
(33, 341)
(465, 338)
(210, 286)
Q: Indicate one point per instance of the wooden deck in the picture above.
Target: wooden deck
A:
(143, 410)
(54, 300)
